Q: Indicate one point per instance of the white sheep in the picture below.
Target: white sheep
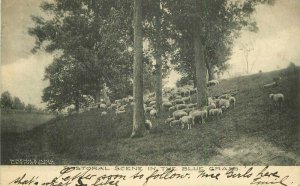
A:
(277, 99)
(224, 96)
(103, 106)
(175, 122)
(212, 83)
(191, 105)
(186, 120)
(180, 106)
(148, 124)
(152, 103)
(178, 114)
(168, 120)
(186, 99)
(117, 112)
(173, 108)
(209, 107)
(103, 113)
(198, 114)
(224, 103)
(215, 112)
(153, 113)
(210, 100)
(148, 109)
(178, 101)
(167, 104)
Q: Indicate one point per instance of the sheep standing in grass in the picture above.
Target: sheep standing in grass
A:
(117, 112)
(175, 123)
(180, 106)
(277, 99)
(173, 108)
(148, 124)
(167, 105)
(103, 113)
(148, 109)
(198, 114)
(186, 120)
(224, 103)
(102, 106)
(212, 83)
(178, 114)
(168, 120)
(215, 112)
(153, 113)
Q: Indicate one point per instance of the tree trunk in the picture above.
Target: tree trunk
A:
(210, 72)
(158, 84)
(201, 71)
(105, 96)
(97, 96)
(77, 105)
(138, 108)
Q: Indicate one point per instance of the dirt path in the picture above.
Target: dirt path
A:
(254, 151)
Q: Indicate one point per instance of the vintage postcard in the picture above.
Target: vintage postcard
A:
(152, 92)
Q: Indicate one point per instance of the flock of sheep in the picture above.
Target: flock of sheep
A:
(182, 111)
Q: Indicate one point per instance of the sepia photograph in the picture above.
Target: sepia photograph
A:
(150, 83)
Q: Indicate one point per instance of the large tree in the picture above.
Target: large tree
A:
(91, 39)
(205, 33)
(138, 108)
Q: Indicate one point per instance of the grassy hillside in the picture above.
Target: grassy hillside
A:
(20, 121)
(252, 133)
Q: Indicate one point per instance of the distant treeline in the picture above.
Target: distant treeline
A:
(7, 101)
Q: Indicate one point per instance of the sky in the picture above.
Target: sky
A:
(274, 46)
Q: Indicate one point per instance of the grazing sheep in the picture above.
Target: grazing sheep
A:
(153, 114)
(212, 83)
(180, 106)
(173, 108)
(178, 101)
(209, 107)
(148, 109)
(118, 102)
(113, 106)
(130, 98)
(215, 112)
(119, 111)
(178, 114)
(167, 104)
(224, 103)
(232, 101)
(103, 106)
(273, 84)
(152, 103)
(175, 122)
(198, 114)
(277, 99)
(148, 124)
(103, 113)
(186, 99)
(168, 120)
(186, 120)
(188, 110)
(224, 96)
(192, 105)
(210, 100)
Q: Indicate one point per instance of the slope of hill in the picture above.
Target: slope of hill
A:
(252, 133)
